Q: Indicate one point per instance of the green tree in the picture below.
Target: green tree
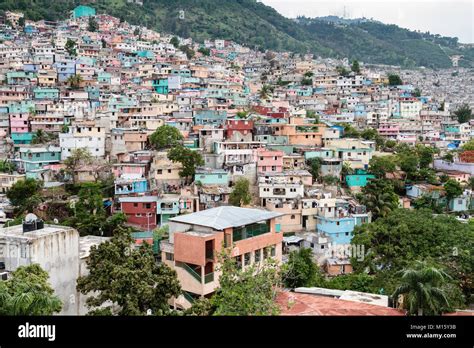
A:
(71, 47)
(89, 210)
(205, 51)
(165, 137)
(174, 41)
(240, 194)
(265, 92)
(28, 292)
(330, 180)
(379, 197)
(463, 113)
(394, 242)
(190, 160)
(394, 80)
(350, 131)
(425, 155)
(417, 92)
(422, 289)
(448, 157)
(353, 281)
(40, 137)
(188, 51)
(25, 195)
(307, 82)
(74, 81)
(77, 158)
(314, 167)
(342, 71)
(92, 25)
(355, 66)
(128, 277)
(301, 270)
(453, 189)
(469, 146)
(246, 292)
(6, 166)
(381, 165)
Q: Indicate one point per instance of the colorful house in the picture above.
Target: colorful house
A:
(359, 179)
(83, 11)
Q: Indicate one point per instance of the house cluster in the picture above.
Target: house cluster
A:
(107, 87)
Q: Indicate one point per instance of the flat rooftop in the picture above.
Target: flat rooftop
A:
(17, 231)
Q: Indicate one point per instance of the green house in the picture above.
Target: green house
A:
(83, 11)
(359, 179)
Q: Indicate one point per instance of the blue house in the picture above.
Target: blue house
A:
(22, 138)
(212, 176)
(161, 86)
(210, 117)
(83, 11)
(340, 230)
(167, 207)
(33, 160)
(46, 93)
(359, 179)
(126, 186)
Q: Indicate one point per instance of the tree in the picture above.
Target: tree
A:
(188, 51)
(246, 292)
(92, 25)
(205, 51)
(353, 281)
(425, 155)
(307, 82)
(448, 157)
(463, 113)
(71, 47)
(422, 289)
(74, 81)
(77, 158)
(28, 292)
(89, 210)
(6, 166)
(265, 92)
(417, 92)
(355, 66)
(240, 194)
(128, 277)
(453, 189)
(21, 22)
(350, 131)
(394, 242)
(330, 179)
(342, 71)
(300, 270)
(314, 167)
(24, 195)
(394, 80)
(408, 162)
(40, 137)
(379, 197)
(174, 41)
(469, 146)
(165, 137)
(190, 160)
(381, 165)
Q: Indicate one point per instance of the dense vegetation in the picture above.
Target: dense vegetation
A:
(254, 24)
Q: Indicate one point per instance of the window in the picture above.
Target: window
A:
(169, 257)
(37, 155)
(247, 259)
(169, 171)
(273, 250)
(292, 217)
(160, 171)
(138, 215)
(322, 246)
(347, 233)
(238, 261)
(258, 255)
(135, 205)
(23, 251)
(147, 205)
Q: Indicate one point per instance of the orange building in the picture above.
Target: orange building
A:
(196, 240)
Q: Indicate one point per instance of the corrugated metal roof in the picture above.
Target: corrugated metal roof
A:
(225, 217)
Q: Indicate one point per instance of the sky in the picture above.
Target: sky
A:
(445, 17)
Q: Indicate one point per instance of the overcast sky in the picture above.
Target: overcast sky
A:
(445, 17)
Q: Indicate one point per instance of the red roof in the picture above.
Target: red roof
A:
(292, 303)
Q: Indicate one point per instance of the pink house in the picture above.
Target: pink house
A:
(269, 161)
(389, 130)
(136, 169)
(19, 123)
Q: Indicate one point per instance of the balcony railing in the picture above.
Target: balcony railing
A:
(188, 297)
(191, 271)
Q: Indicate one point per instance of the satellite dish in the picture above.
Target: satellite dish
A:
(56, 221)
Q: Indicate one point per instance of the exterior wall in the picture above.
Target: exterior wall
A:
(269, 161)
(147, 216)
(56, 252)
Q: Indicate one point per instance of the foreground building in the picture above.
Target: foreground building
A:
(196, 240)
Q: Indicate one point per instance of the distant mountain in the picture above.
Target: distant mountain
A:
(257, 25)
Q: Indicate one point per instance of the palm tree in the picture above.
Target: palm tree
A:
(40, 137)
(265, 91)
(6, 166)
(75, 81)
(421, 288)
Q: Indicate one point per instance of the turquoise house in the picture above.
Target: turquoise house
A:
(212, 177)
(461, 203)
(22, 138)
(210, 117)
(359, 179)
(33, 160)
(166, 208)
(83, 11)
(46, 93)
(161, 86)
(128, 186)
